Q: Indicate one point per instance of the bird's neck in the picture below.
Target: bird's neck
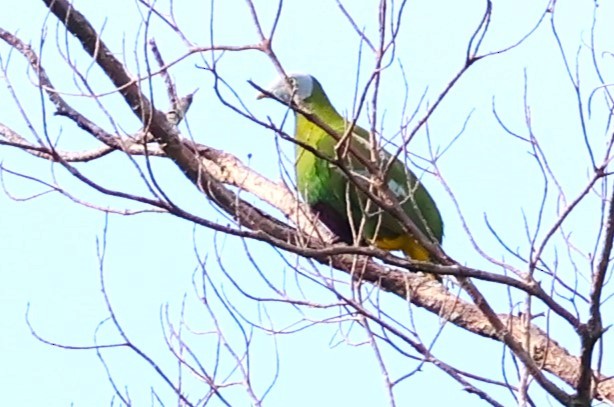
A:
(321, 119)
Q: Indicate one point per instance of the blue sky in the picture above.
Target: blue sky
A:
(49, 246)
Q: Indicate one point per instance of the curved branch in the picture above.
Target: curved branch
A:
(543, 354)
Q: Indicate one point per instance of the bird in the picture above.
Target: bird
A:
(336, 198)
(179, 108)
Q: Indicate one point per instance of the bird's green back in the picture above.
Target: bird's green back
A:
(324, 186)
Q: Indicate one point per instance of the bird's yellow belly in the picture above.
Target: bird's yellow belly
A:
(407, 244)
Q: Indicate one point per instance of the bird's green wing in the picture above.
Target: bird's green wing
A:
(411, 194)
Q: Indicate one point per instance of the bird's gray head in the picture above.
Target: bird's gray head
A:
(297, 86)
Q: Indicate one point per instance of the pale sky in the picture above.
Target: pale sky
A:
(50, 245)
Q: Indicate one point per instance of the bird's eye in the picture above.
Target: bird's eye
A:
(292, 82)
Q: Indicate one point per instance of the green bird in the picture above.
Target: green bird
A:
(342, 206)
